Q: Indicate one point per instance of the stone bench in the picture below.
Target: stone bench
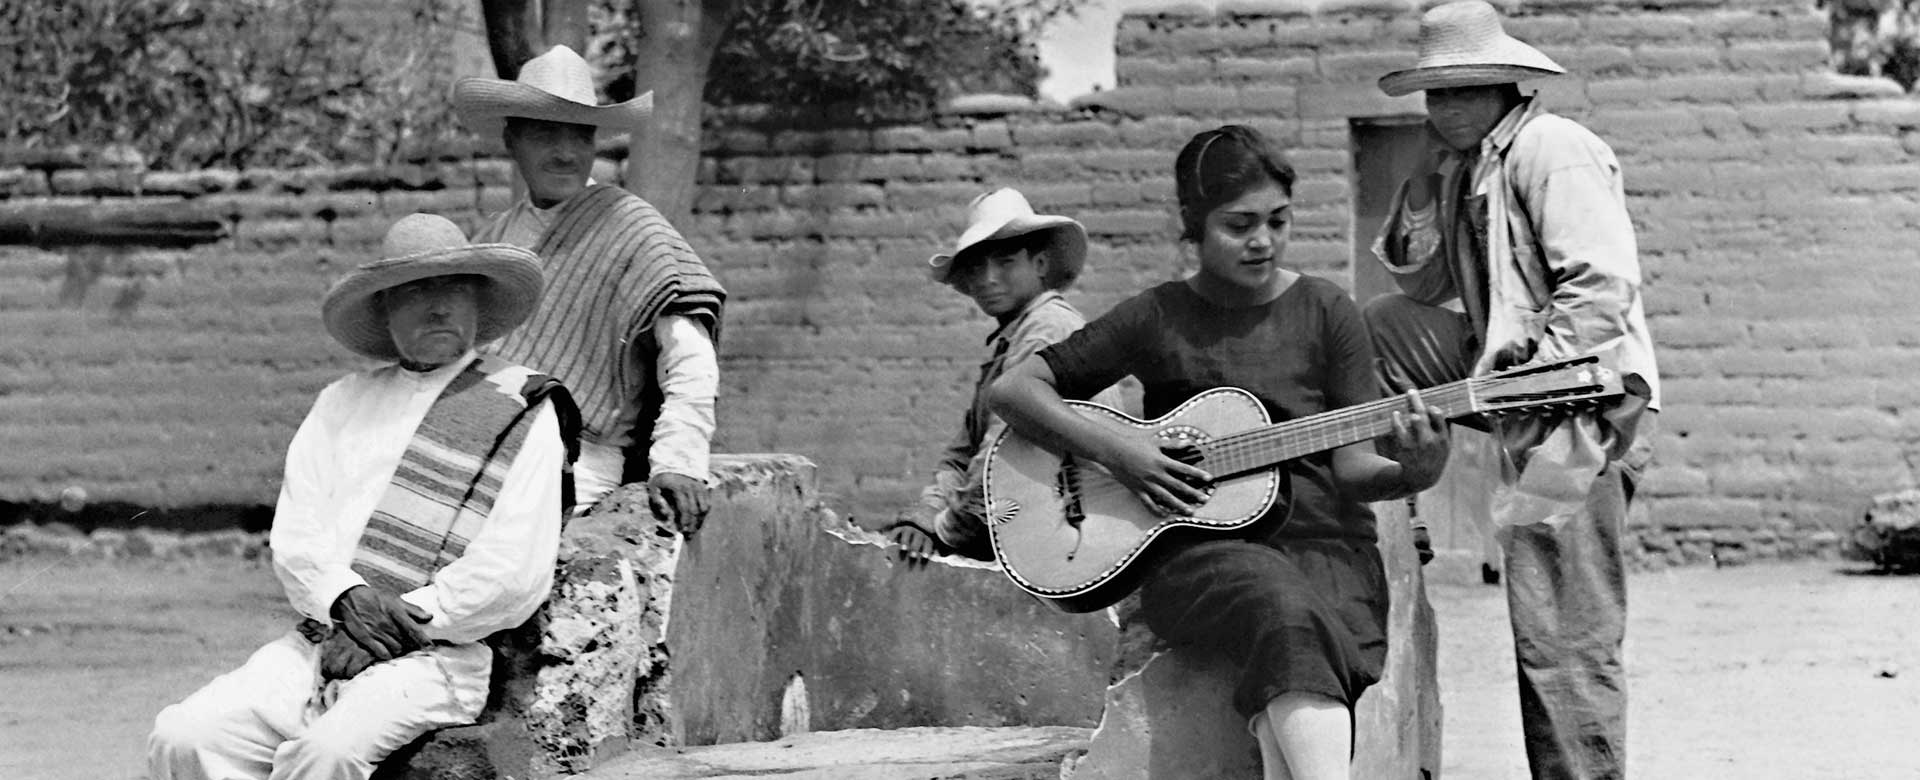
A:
(778, 618)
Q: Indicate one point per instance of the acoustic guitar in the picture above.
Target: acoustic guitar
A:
(1065, 530)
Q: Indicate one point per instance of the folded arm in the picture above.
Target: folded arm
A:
(506, 570)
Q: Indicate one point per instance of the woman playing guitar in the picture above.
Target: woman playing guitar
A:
(1300, 600)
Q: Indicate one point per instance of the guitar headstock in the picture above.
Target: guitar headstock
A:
(1565, 384)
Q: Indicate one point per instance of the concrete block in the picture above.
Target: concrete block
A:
(741, 140)
(187, 183)
(1274, 9)
(1329, 32)
(1160, 132)
(1362, 69)
(807, 595)
(1071, 134)
(24, 183)
(1547, 30)
(1740, 24)
(991, 135)
(1173, 718)
(1836, 86)
(940, 166)
(1033, 753)
(1127, 161)
(1322, 101)
(1205, 100)
(1896, 112)
(1246, 40)
(1136, 71)
(1792, 56)
(992, 104)
(921, 139)
(1637, 27)
(1128, 101)
(95, 181)
(1795, 116)
(1265, 70)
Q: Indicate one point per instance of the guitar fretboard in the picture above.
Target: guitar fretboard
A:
(1262, 447)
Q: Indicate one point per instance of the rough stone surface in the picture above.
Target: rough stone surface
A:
(1173, 719)
(927, 753)
(783, 590)
(1889, 535)
(709, 637)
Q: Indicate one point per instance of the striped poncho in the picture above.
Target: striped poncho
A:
(448, 479)
(613, 265)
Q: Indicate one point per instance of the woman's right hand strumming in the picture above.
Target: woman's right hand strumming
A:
(1166, 485)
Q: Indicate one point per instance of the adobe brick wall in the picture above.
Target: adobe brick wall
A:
(1776, 205)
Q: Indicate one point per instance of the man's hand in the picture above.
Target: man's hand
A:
(917, 543)
(1420, 443)
(341, 658)
(679, 499)
(386, 626)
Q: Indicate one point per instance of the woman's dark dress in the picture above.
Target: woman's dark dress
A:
(1300, 601)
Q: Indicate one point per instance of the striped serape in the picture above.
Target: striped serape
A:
(448, 479)
(613, 265)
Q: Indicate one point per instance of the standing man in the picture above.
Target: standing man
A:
(1521, 218)
(630, 314)
(420, 513)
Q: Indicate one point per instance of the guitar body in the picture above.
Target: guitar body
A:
(1066, 531)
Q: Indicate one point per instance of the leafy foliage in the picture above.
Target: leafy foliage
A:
(236, 83)
(1875, 38)
(877, 58)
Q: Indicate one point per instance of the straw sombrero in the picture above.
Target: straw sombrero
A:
(556, 86)
(424, 245)
(1462, 45)
(1005, 213)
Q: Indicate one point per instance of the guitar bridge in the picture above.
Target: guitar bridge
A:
(1067, 486)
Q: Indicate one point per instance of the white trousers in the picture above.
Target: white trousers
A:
(256, 721)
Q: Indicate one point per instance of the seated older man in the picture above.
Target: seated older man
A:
(420, 512)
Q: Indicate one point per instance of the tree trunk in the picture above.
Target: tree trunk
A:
(513, 32)
(677, 45)
(565, 24)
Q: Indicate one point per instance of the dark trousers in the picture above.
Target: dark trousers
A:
(1566, 586)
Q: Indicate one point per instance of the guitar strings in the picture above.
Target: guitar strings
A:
(1321, 431)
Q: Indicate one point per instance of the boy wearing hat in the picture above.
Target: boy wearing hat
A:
(1013, 263)
(420, 512)
(631, 313)
(1521, 217)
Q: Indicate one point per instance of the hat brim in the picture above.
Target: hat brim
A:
(1067, 245)
(1404, 82)
(484, 105)
(512, 295)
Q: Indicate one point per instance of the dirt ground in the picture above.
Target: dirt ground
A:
(1776, 670)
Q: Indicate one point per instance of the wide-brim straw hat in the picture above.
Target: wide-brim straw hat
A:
(1005, 213)
(1463, 45)
(421, 246)
(556, 86)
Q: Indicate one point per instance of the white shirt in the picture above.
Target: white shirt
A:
(338, 467)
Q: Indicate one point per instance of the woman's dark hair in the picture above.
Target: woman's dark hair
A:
(1220, 165)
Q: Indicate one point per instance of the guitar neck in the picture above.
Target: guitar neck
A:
(1269, 445)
